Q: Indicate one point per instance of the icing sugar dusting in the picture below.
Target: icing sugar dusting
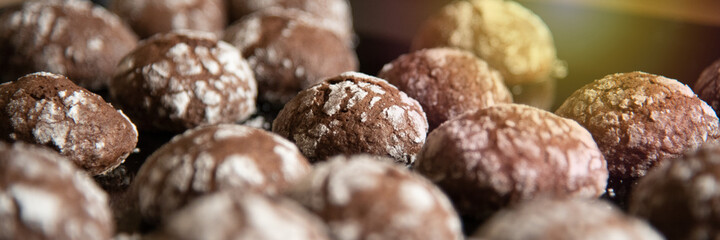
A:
(416, 196)
(354, 176)
(263, 217)
(51, 125)
(38, 209)
(239, 170)
(292, 166)
(337, 95)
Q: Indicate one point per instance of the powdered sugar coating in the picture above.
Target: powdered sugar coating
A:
(341, 116)
(640, 119)
(507, 153)
(216, 158)
(149, 17)
(184, 79)
(275, 43)
(361, 196)
(42, 195)
(228, 215)
(680, 197)
(48, 109)
(69, 37)
(447, 82)
(565, 220)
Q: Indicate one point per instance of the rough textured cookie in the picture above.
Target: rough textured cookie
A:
(232, 215)
(333, 14)
(682, 197)
(507, 35)
(638, 120)
(214, 158)
(180, 80)
(360, 197)
(447, 82)
(509, 153)
(707, 87)
(354, 113)
(43, 196)
(68, 37)
(50, 110)
(149, 17)
(289, 52)
(567, 219)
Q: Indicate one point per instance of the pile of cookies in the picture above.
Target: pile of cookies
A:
(242, 119)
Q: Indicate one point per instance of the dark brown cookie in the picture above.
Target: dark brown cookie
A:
(289, 52)
(567, 219)
(707, 87)
(244, 216)
(50, 110)
(447, 82)
(638, 120)
(180, 80)
(214, 158)
(332, 14)
(44, 196)
(149, 17)
(508, 153)
(681, 198)
(360, 197)
(68, 37)
(354, 113)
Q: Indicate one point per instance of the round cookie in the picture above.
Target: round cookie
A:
(250, 216)
(508, 153)
(507, 35)
(447, 82)
(289, 52)
(681, 198)
(214, 158)
(354, 113)
(48, 109)
(565, 219)
(149, 17)
(68, 37)
(43, 196)
(360, 197)
(707, 86)
(638, 120)
(180, 80)
(335, 15)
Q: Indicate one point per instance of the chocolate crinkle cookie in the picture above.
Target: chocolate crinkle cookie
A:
(565, 219)
(68, 37)
(44, 196)
(243, 216)
(360, 197)
(49, 109)
(180, 80)
(681, 198)
(289, 51)
(638, 120)
(447, 82)
(149, 17)
(707, 86)
(508, 153)
(354, 113)
(214, 158)
(335, 15)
